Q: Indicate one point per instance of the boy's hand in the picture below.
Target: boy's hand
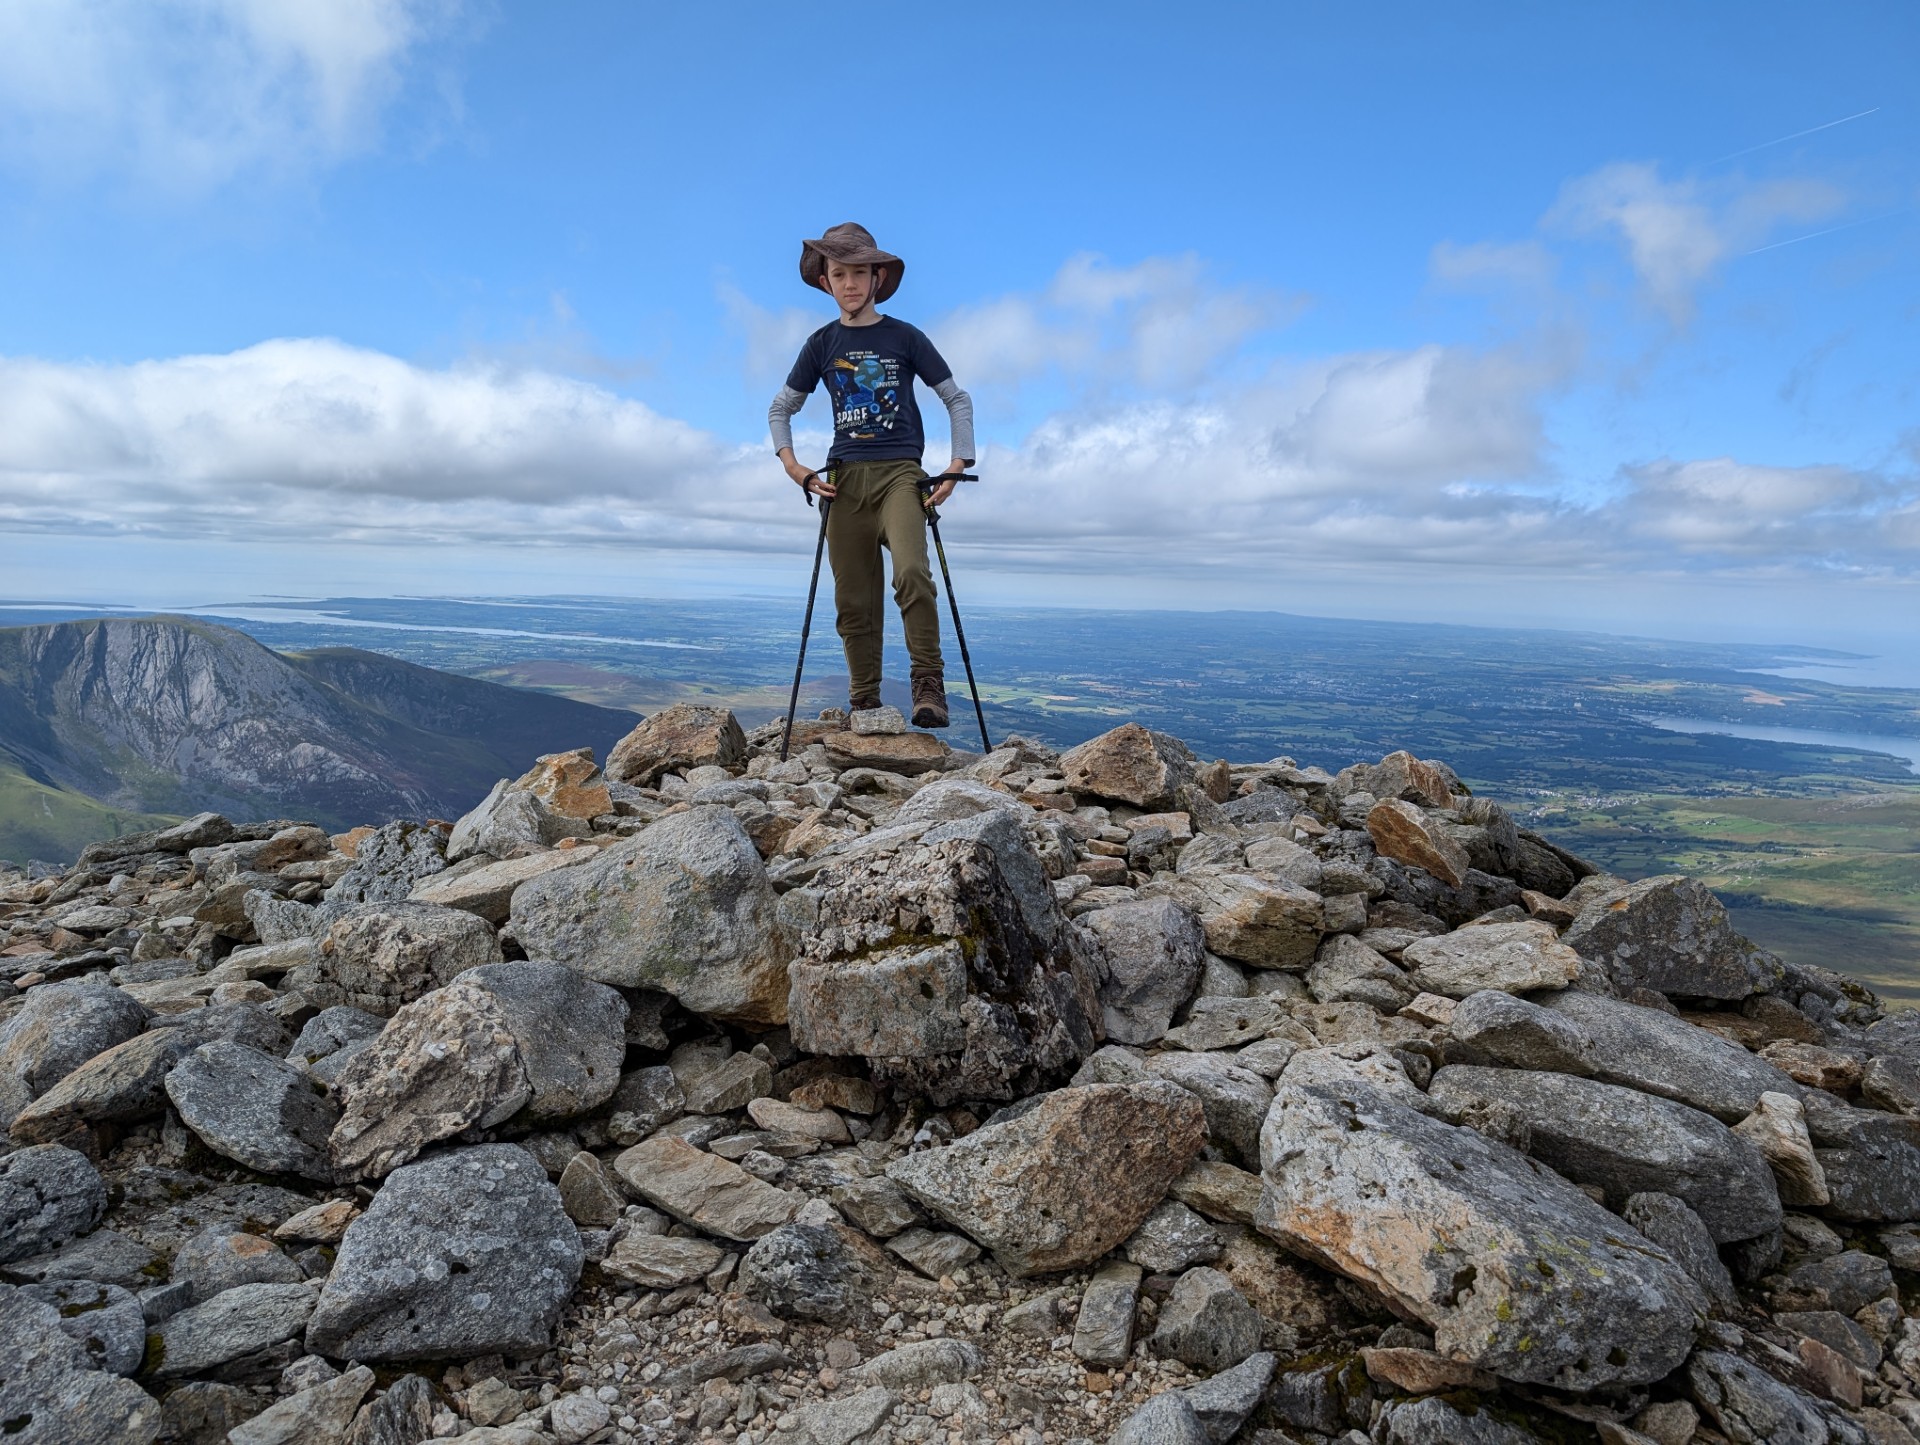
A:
(805, 477)
(948, 480)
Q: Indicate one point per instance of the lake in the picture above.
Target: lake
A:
(1905, 748)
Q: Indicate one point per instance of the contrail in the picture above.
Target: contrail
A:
(1815, 235)
(1795, 136)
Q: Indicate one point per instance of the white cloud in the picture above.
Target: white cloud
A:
(1160, 323)
(772, 338)
(181, 95)
(1395, 460)
(1731, 509)
(1678, 233)
(1524, 264)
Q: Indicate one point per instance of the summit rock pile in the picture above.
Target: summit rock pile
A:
(899, 1094)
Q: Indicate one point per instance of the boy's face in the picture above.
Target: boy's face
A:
(851, 286)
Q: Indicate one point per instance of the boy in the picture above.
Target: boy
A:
(869, 363)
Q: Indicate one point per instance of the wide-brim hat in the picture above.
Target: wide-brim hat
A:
(851, 244)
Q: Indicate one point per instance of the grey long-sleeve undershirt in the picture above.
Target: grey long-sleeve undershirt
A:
(959, 405)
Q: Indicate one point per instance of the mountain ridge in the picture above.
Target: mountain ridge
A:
(171, 715)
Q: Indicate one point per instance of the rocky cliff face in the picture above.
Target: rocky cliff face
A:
(894, 1094)
(171, 715)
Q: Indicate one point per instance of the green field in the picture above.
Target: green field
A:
(41, 822)
(1832, 880)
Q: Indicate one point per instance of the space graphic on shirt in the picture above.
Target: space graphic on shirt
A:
(866, 394)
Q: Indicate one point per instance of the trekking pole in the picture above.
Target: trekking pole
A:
(806, 623)
(960, 635)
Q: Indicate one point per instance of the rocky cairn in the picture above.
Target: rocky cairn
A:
(892, 1093)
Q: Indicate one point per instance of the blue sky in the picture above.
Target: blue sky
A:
(1595, 316)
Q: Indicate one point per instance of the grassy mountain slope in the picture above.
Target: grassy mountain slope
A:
(38, 821)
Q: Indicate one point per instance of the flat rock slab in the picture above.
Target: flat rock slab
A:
(319, 1415)
(1066, 1181)
(1628, 1143)
(656, 1261)
(233, 1323)
(1656, 1053)
(1510, 957)
(933, 1252)
(488, 892)
(467, 1253)
(704, 1190)
(1513, 1268)
(908, 754)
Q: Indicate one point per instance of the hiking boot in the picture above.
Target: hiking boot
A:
(863, 704)
(929, 700)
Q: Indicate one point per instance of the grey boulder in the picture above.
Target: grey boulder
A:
(254, 1109)
(50, 1393)
(103, 1318)
(1349, 971)
(62, 1025)
(1066, 1181)
(508, 821)
(467, 1253)
(48, 1194)
(1513, 1268)
(1207, 1323)
(383, 955)
(1154, 955)
(1670, 934)
(1436, 1421)
(1224, 1403)
(1672, 1225)
(1497, 1028)
(217, 1260)
(1628, 1143)
(571, 1033)
(1235, 1098)
(824, 1272)
(386, 864)
(1750, 1407)
(683, 907)
(1166, 1419)
(948, 965)
(329, 1039)
(1656, 1053)
(529, 1039)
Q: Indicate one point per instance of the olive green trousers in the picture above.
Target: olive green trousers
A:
(878, 506)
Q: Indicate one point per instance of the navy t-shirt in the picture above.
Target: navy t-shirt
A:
(869, 372)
